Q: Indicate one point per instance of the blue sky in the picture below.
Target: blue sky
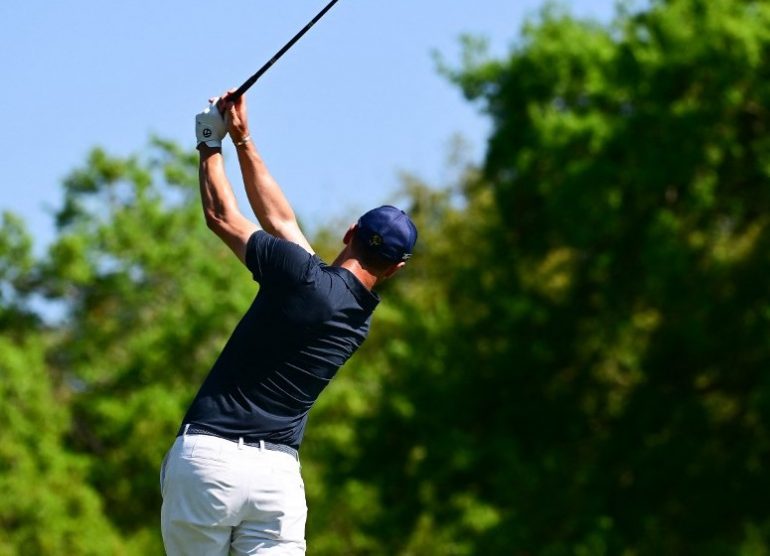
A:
(350, 106)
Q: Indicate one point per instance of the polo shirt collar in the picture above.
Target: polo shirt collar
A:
(368, 299)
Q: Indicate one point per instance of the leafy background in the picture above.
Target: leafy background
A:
(574, 363)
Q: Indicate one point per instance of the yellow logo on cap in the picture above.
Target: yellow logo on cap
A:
(375, 240)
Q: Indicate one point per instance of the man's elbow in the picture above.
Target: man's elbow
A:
(286, 227)
(229, 225)
(215, 222)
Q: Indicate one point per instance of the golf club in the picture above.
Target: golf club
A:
(253, 79)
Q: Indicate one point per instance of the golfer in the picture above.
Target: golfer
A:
(231, 481)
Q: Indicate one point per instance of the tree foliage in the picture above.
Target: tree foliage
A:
(574, 363)
(47, 500)
(603, 391)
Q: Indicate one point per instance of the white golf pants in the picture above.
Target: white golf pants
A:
(221, 497)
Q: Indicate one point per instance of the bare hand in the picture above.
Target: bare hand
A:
(235, 116)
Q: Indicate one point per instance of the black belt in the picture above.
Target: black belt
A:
(197, 429)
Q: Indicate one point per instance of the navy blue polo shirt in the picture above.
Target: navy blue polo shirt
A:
(306, 321)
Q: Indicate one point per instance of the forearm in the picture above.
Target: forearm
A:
(217, 196)
(220, 207)
(266, 198)
(268, 202)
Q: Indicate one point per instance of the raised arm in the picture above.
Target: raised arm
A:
(268, 202)
(220, 207)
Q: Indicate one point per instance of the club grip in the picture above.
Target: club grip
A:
(240, 91)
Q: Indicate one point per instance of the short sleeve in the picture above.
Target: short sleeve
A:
(275, 260)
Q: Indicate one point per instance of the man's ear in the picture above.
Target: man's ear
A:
(393, 269)
(349, 234)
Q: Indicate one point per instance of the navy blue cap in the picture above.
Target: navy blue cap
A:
(388, 231)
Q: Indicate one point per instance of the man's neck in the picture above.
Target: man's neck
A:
(366, 278)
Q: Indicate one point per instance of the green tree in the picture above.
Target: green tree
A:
(587, 373)
(47, 505)
(574, 363)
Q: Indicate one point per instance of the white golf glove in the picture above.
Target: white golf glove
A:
(210, 127)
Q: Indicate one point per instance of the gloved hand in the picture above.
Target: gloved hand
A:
(210, 126)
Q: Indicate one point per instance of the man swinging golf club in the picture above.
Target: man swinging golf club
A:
(231, 482)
